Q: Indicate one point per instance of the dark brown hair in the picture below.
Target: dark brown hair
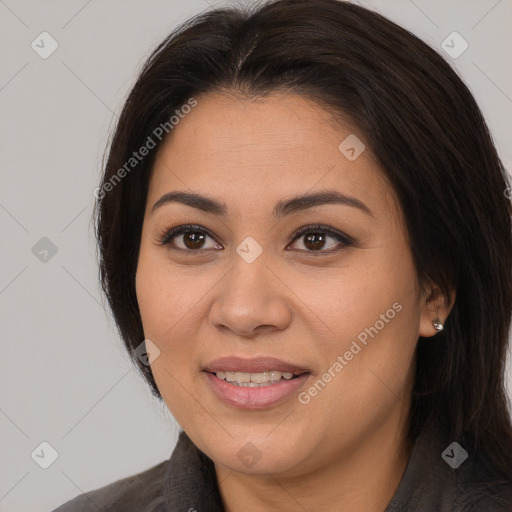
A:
(430, 139)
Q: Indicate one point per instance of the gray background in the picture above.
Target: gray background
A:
(64, 377)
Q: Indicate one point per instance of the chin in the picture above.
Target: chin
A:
(259, 456)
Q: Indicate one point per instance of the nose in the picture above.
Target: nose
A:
(251, 300)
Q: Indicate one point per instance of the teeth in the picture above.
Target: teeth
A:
(253, 380)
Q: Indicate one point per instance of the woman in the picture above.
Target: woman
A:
(305, 240)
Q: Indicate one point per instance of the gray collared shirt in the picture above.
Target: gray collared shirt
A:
(187, 483)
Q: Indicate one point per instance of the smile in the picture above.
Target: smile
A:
(253, 380)
(254, 383)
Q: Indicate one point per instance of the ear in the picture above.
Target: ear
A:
(434, 305)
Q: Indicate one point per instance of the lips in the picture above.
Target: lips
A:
(255, 397)
(256, 365)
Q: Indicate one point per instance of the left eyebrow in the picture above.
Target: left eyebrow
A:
(304, 202)
(281, 209)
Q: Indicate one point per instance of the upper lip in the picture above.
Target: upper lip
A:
(255, 365)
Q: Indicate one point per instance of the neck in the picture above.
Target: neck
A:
(366, 479)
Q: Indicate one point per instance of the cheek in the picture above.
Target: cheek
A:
(375, 290)
(167, 296)
(173, 304)
(166, 303)
(150, 297)
(371, 315)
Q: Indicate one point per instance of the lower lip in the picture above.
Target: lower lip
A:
(255, 398)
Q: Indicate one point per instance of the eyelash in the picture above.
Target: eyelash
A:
(167, 235)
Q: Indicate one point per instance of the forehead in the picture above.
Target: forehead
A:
(241, 150)
(279, 125)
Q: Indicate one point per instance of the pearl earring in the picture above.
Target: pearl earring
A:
(438, 326)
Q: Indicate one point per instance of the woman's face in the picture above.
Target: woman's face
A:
(343, 312)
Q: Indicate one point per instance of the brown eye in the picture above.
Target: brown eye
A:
(316, 239)
(193, 239)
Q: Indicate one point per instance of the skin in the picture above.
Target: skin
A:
(345, 449)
